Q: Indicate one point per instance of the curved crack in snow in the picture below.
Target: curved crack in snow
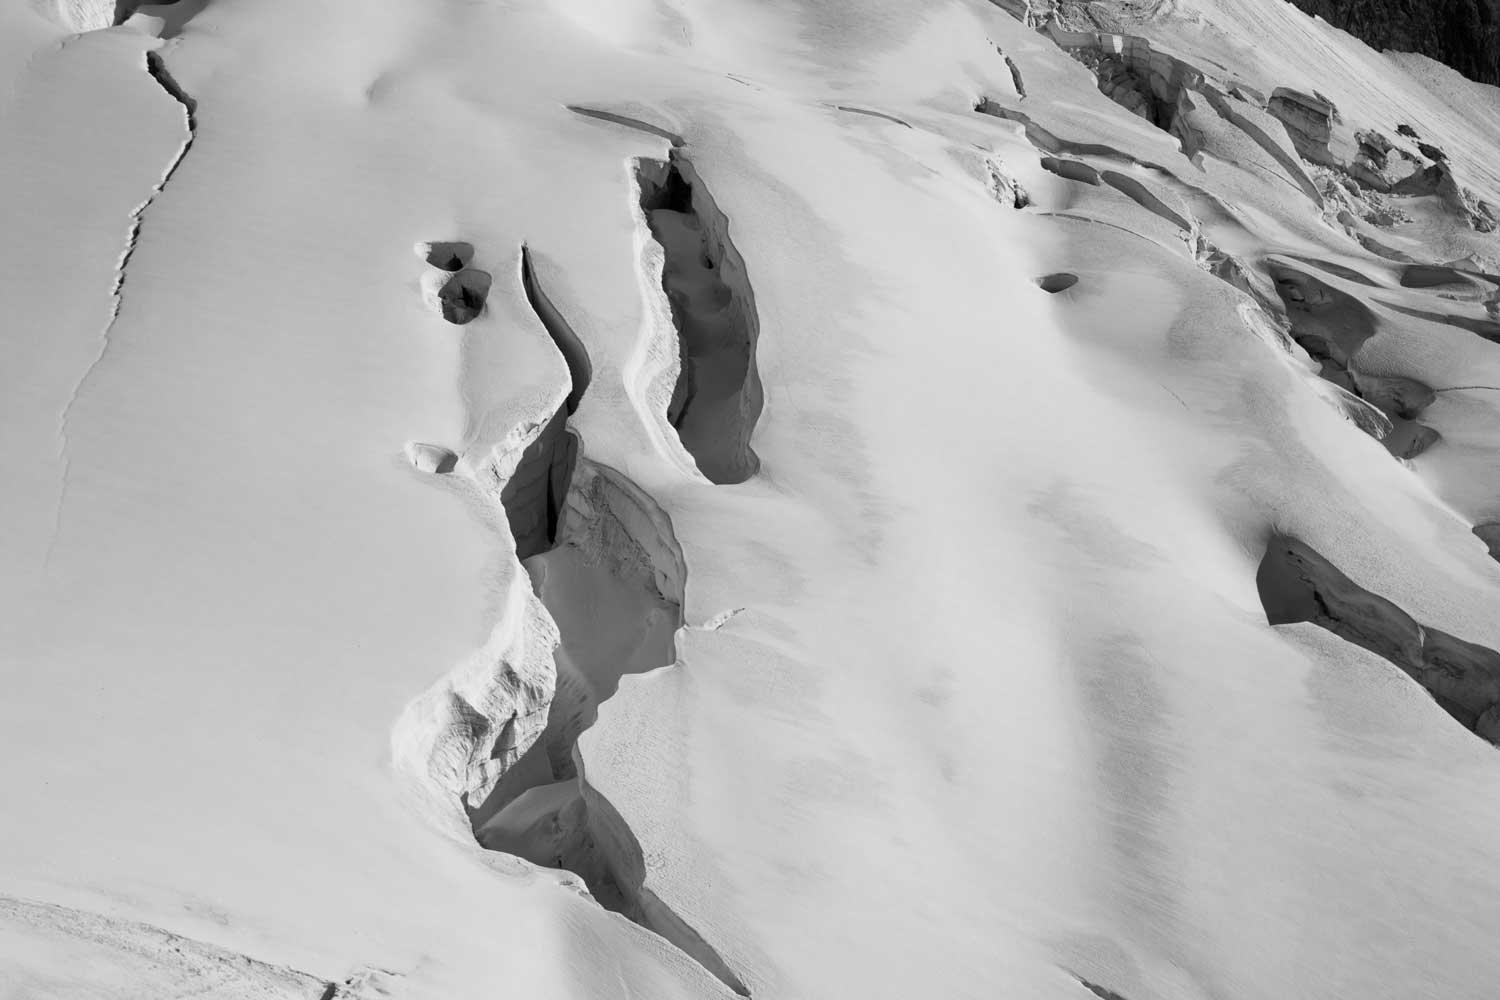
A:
(155, 68)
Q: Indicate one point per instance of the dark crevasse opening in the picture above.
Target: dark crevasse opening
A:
(1332, 326)
(612, 579)
(1296, 584)
(604, 561)
(717, 398)
(175, 14)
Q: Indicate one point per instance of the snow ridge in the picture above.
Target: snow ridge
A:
(155, 68)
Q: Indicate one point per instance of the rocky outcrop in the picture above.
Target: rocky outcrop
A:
(1464, 34)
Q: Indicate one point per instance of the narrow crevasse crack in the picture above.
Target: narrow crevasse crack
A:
(1015, 74)
(158, 962)
(1049, 142)
(717, 397)
(1072, 170)
(1296, 584)
(575, 354)
(1241, 117)
(626, 121)
(851, 109)
(155, 68)
(1487, 328)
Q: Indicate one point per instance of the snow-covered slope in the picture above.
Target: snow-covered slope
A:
(869, 500)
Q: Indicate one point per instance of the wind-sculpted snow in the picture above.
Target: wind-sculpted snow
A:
(1296, 584)
(1327, 321)
(421, 557)
(153, 961)
(717, 396)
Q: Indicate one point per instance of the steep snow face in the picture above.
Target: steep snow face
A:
(885, 500)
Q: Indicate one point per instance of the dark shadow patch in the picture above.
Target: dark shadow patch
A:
(1328, 323)
(175, 14)
(1296, 584)
(718, 397)
(1097, 990)
(1408, 439)
(1489, 534)
(575, 354)
(1059, 282)
(1073, 170)
(1433, 276)
(446, 255)
(460, 298)
(431, 458)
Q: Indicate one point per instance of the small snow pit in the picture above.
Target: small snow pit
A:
(446, 256)
(458, 298)
(1059, 282)
(431, 458)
